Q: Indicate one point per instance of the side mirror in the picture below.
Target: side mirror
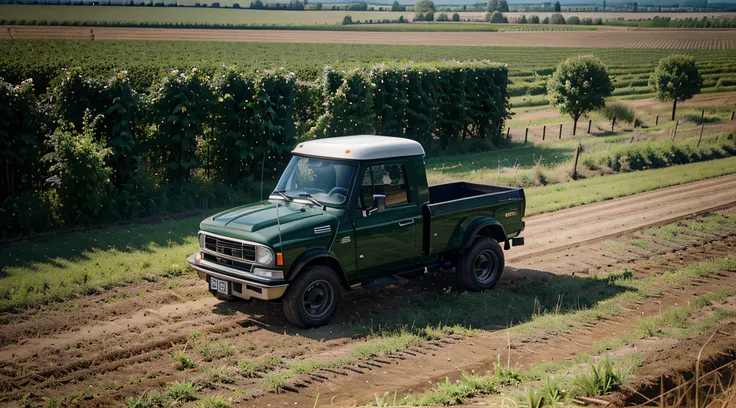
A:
(379, 205)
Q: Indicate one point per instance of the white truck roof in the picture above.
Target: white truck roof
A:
(362, 147)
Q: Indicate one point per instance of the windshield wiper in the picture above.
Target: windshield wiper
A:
(284, 196)
(313, 200)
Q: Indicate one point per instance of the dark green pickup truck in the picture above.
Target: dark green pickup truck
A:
(356, 210)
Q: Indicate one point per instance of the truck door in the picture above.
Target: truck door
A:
(385, 241)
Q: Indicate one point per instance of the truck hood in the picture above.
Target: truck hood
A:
(258, 222)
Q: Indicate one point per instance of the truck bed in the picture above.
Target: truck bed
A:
(453, 206)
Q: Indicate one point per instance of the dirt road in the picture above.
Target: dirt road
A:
(610, 37)
(101, 350)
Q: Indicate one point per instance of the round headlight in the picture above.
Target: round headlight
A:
(264, 256)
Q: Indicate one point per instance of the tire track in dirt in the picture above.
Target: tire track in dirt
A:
(101, 348)
(478, 353)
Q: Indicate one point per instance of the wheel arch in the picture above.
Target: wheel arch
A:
(486, 227)
(319, 257)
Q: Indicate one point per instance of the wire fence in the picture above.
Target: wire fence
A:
(674, 130)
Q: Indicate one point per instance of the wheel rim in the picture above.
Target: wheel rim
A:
(485, 266)
(318, 299)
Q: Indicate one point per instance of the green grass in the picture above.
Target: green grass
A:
(566, 195)
(384, 345)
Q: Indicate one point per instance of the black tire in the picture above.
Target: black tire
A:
(312, 299)
(481, 267)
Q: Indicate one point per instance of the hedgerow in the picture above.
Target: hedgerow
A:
(205, 138)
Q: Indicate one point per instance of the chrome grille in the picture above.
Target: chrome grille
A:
(233, 249)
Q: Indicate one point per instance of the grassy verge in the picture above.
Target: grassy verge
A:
(566, 195)
(540, 164)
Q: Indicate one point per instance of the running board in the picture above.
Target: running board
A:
(379, 283)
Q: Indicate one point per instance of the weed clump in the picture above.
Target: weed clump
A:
(185, 362)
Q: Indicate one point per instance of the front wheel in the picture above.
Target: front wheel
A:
(481, 267)
(313, 298)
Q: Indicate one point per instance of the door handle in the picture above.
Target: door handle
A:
(406, 222)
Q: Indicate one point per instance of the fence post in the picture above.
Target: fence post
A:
(613, 123)
(526, 135)
(674, 134)
(656, 121)
(702, 115)
(91, 34)
(701, 135)
(733, 113)
(507, 133)
(544, 131)
(590, 123)
(575, 165)
(10, 33)
(560, 131)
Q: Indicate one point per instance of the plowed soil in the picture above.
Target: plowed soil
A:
(104, 351)
(610, 37)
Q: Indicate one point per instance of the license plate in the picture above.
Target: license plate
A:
(220, 286)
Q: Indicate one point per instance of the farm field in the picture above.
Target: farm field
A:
(147, 61)
(628, 267)
(677, 39)
(166, 334)
(265, 17)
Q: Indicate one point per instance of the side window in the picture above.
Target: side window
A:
(388, 179)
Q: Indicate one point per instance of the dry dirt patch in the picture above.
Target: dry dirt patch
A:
(681, 39)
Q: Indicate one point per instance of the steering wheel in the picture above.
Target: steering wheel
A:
(338, 190)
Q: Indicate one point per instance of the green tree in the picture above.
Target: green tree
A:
(347, 20)
(443, 17)
(493, 5)
(522, 20)
(496, 17)
(455, 17)
(558, 8)
(397, 7)
(557, 19)
(424, 6)
(676, 78)
(579, 85)
(534, 20)
(503, 6)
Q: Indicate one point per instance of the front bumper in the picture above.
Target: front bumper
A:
(245, 287)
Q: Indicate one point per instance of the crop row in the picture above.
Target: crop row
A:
(147, 61)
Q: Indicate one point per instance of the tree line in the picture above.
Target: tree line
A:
(93, 150)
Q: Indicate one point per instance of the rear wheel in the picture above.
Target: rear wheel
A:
(312, 299)
(481, 267)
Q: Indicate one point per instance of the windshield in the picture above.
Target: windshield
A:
(327, 181)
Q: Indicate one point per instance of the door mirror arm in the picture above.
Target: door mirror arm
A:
(379, 205)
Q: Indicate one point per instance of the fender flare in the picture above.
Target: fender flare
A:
(477, 226)
(318, 254)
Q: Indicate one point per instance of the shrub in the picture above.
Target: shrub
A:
(546, 20)
(534, 20)
(347, 20)
(443, 17)
(81, 175)
(620, 111)
(573, 20)
(496, 17)
(522, 20)
(557, 18)
(455, 17)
